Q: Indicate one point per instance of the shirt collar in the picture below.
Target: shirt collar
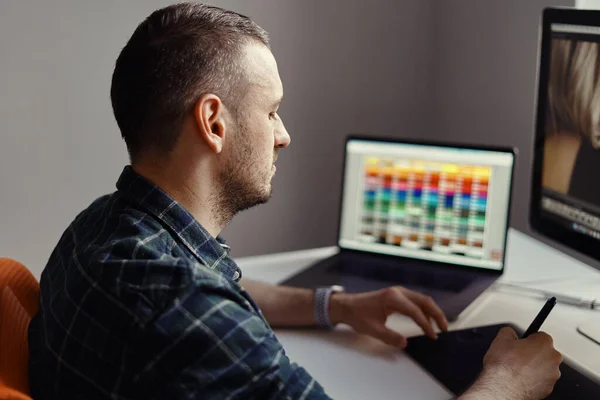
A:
(212, 252)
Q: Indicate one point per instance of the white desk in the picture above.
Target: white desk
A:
(351, 366)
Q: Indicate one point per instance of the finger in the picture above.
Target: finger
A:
(542, 336)
(506, 334)
(430, 308)
(406, 306)
(542, 339)
(390, 337)
(558, 358)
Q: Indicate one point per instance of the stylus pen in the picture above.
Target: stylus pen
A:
(540, 318)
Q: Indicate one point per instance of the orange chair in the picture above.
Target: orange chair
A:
(19, 292)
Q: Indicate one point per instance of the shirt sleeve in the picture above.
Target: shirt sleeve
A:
(212, 343)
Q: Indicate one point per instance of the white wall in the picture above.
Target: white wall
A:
(587, 3)
(346, 65)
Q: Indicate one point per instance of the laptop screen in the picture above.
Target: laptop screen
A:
(430, 202)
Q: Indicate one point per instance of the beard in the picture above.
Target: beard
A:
(243, 181)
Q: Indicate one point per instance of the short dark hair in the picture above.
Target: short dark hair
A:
(175, 56)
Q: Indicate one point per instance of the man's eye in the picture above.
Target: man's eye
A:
(272, 115)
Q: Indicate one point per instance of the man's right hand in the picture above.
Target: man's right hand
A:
(514, 369)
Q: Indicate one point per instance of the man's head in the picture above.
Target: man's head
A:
(199, 84)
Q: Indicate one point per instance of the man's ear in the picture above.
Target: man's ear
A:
(209, 114)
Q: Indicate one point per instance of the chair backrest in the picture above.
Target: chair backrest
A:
(19, 293)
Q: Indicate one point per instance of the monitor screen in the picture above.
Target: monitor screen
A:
(430, 202)
(566, 193)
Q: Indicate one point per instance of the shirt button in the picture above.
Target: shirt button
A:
(236, 275)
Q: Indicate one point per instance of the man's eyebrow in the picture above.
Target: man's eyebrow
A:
(278, 102)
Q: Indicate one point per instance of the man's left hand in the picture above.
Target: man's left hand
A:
(367, 312)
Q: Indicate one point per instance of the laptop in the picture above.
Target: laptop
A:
(431, 217)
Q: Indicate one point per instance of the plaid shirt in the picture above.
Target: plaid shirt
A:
(138, 301)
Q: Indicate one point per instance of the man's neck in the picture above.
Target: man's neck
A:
(194, 192)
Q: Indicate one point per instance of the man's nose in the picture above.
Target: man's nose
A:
(282, 138)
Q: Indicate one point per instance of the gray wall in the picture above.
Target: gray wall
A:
(485, 71)
(460, 70)
(346, 67)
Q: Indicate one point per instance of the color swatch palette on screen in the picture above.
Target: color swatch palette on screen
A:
(426, 205)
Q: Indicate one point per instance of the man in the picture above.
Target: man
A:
(140, 298)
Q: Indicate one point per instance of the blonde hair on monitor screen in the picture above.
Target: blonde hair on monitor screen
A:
(574, 90)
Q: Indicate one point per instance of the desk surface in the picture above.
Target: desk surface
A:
(352, 366)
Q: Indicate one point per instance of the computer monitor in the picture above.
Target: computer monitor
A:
(565, 198)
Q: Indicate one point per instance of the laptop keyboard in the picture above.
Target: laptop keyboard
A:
(454, 282)
(443, 282)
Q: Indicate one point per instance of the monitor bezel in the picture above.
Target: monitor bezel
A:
(383, 139)
(540, 224)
